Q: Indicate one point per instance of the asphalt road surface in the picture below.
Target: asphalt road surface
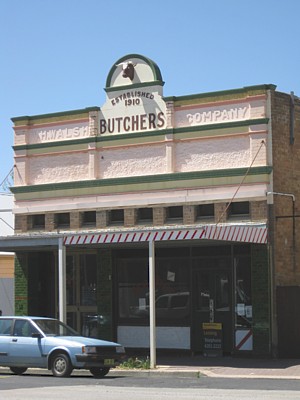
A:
(143, 386)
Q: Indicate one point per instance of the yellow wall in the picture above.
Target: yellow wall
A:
(6, 265)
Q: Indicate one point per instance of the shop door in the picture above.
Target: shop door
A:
(82, 292)
(212, 302)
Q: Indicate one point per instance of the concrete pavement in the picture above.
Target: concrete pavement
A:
(230, 367)
(222, 367)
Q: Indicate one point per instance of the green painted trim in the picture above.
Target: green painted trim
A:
(144, 187)
(140, 180)
(55, 145)
(154, 67)
(144, 137)
(36, 119)
(134, 86)
(235, 124)
(221, 93)
(186, 135)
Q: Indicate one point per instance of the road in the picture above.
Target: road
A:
(143, 386)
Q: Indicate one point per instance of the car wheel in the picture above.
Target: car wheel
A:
(99, 372)
(18, 370)
(61, 365)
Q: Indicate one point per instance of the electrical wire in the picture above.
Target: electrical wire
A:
(238, 188)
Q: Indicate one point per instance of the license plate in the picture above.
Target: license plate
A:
(109, 361)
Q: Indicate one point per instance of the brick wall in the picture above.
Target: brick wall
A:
(21, 284)
(159, 216)
(189, 215)
(286, 167)
(20, 223)
(130, 217)
(49, 221)
(220, 213)
(75, 220)
(258, 210)
(24, 223)
(102, 219)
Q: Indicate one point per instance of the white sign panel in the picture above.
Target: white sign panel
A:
(132, 111)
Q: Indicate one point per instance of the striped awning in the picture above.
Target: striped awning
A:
(232, 233)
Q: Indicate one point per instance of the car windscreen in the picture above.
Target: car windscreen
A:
(52, 327)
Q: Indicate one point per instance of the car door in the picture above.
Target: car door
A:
(6, 325)
(26, 350)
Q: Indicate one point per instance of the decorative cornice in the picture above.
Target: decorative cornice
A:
(222, 93)
(34, 119)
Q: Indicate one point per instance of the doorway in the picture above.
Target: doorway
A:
(81, 271)
(41, 284)
(212, 301)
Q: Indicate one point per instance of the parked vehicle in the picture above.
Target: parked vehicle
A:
(38, 342)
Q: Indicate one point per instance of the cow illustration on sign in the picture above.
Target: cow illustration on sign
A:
(128, 69)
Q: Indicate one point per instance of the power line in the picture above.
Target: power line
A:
(238, 188)
(5, 183)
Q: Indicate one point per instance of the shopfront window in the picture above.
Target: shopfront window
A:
(81, 290)
(243, 300)
(172, 290)
(212, 283)
(88, 279)
(71, 280)
(133, 288)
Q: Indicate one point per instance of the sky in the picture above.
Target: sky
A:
(56, 54)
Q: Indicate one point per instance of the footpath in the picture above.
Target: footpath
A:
(197, 366)
(229, 367)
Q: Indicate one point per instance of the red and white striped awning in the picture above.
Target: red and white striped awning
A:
(232, 233)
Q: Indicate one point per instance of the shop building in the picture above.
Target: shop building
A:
(6, 258)
(204, 187)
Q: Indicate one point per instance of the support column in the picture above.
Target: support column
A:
(62, 281)
(152, 304)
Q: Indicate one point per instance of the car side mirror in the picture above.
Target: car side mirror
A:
(36, 335)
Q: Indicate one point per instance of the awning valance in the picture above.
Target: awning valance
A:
(233, 233)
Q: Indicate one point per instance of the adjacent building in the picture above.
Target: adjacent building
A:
(6, 258)
(203, 186)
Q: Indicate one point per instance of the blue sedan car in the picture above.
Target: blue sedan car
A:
(36, 342)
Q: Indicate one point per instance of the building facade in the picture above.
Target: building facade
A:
(204, 187)
(7, 261)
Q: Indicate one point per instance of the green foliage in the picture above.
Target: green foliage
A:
(135, 363)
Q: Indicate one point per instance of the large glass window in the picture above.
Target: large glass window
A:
(172, 290)
(88, 279)
(133, 288)
(81, 290)
(71, 280)
(243, 300)
(211, 280)
(82, 279)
